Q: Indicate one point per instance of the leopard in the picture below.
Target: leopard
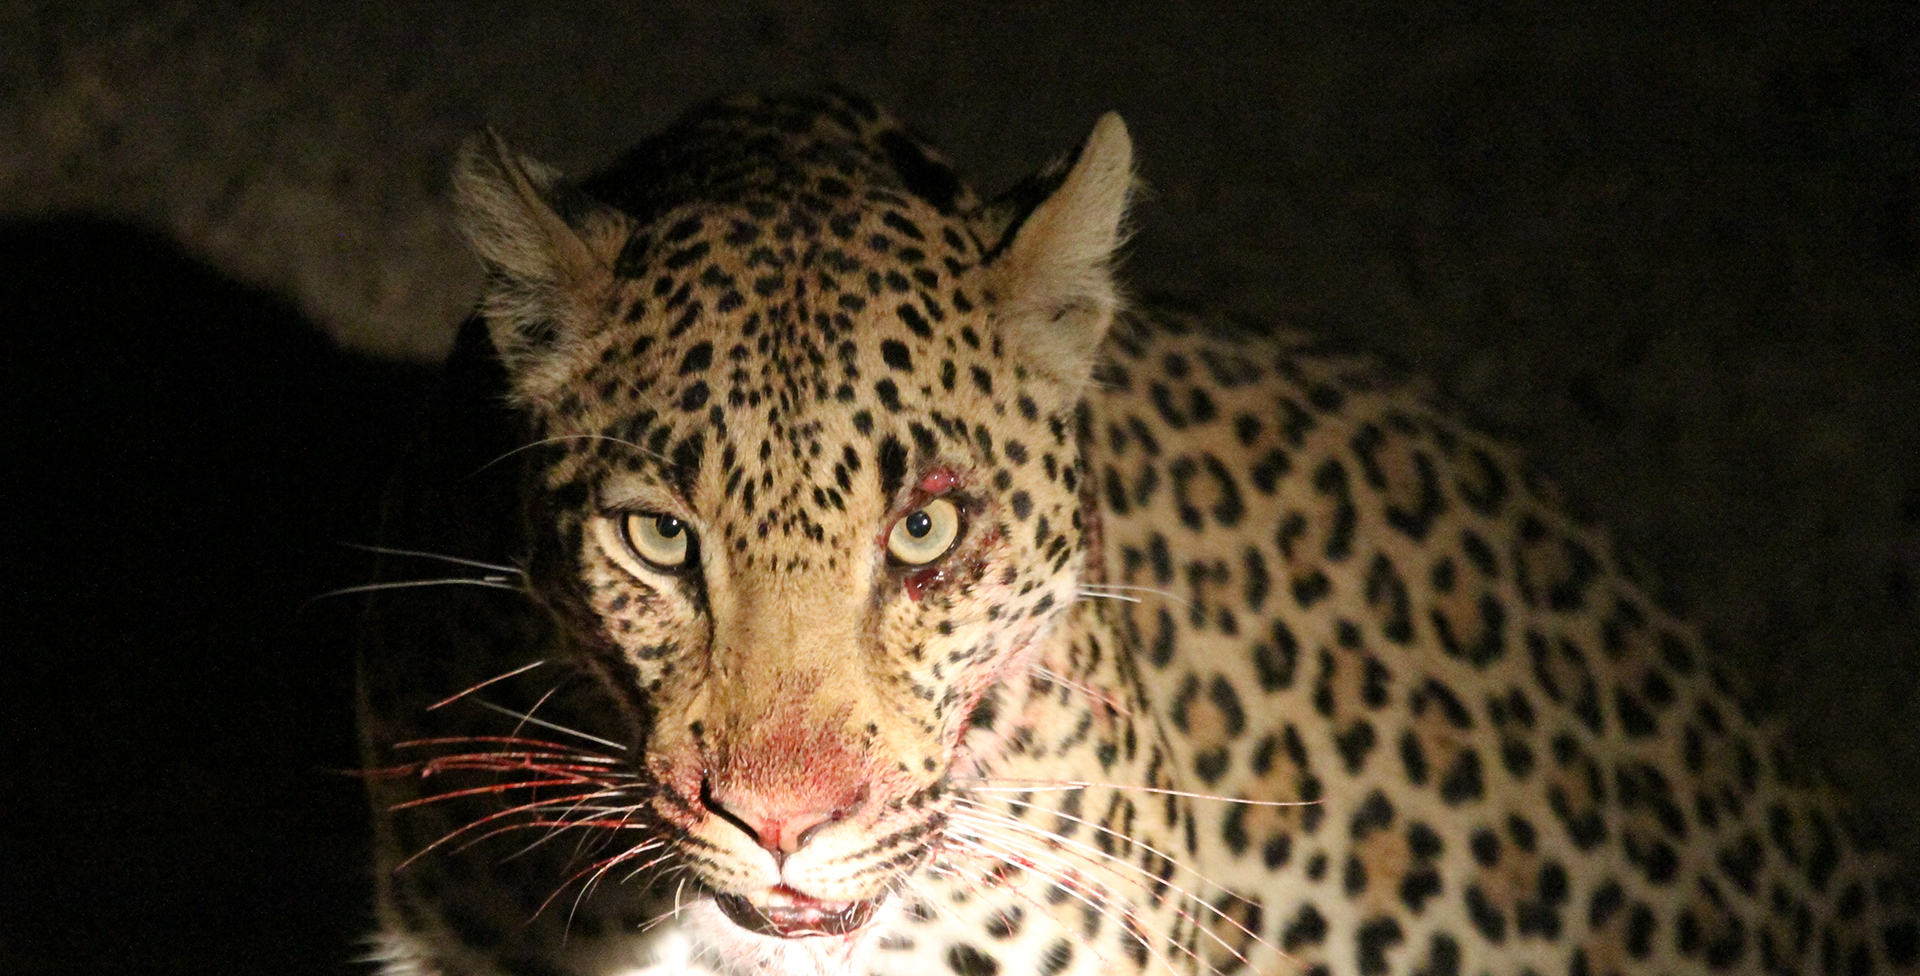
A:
(854, 576)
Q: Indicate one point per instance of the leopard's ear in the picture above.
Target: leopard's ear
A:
(1054, 264)
(548, 275)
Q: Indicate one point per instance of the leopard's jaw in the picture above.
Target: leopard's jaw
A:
(914, 580)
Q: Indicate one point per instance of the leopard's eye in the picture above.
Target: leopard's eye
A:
(661, 540)
(924, 534)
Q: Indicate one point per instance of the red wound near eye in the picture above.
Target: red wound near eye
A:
(939, 481)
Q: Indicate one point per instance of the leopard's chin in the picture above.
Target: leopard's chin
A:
(788, 914)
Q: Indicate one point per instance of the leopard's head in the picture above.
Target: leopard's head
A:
(807, 486)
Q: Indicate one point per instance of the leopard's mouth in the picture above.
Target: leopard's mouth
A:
(789, 914)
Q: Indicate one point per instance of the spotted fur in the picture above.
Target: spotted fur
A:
(1245, 659)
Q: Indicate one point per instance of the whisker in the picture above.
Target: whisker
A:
(447, 740)
(464, 828)
(1061, 785)
(1148, 876)
(543, 723)
(1069, 882)
(519, 670)
(1087, 690)
(597, 870)
(569, 437)
(667, 915)
(1120, 591)
(595, 818)
(490, 582)
(953, 872)
(422, 554)
(1065, 883)
(542, 700)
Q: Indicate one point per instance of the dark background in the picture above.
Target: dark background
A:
(1672, 248)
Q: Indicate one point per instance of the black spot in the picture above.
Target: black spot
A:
(1903, 942)
(1375, 937)
(1420, 884)
(1212, 764)
(914, 321)
(1353, 881)
(687, 255)
(1308, 927)
(1485, 917)
(1055, 960)
(687, 456)
(1443, 956)
(1635, 720)
(1387, 593)
(1375, 813)
(697, 358)
(1163, 636)
(1268, 471)
(1256, 579)
(1742, 861)
(889, 395)
(1641, 924)
(1485, 845)
(1228, 510)
(1275, 661)
(1354, 744)
(1311, 589)
(965, 960)
(1462, 781)
(1413, 757)
(1423, 841)
(922, 176)
(694, 397)
(1022, 505)
(894, 352)
(893, 466)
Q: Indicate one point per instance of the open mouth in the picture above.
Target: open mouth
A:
(789, 914)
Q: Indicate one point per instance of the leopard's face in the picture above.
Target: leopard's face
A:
(802, 505)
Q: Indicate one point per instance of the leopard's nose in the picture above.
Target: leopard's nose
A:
(781, 825)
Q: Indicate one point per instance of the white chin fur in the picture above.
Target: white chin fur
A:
(707, 943)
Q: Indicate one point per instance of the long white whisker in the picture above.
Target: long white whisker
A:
(1118, 592)
(536, 707)
(543, 723)
(422, 554)
(1062, 785)
(1091, 692)
(1148, 876)
(491, 582)
(567, 437)
(953, 872)
(1074, 888)
(1031, 854)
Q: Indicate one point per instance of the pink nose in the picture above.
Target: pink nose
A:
(781, 824)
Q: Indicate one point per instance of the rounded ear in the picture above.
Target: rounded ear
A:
(546, 276)
(1054, 266)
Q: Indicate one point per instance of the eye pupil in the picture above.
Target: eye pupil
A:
(919, 524)
(668, 526)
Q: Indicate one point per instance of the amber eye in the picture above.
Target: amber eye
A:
(924, 534)
(661, 540)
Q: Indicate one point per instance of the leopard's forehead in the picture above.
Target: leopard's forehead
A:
(818, 153)
(802, 302)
